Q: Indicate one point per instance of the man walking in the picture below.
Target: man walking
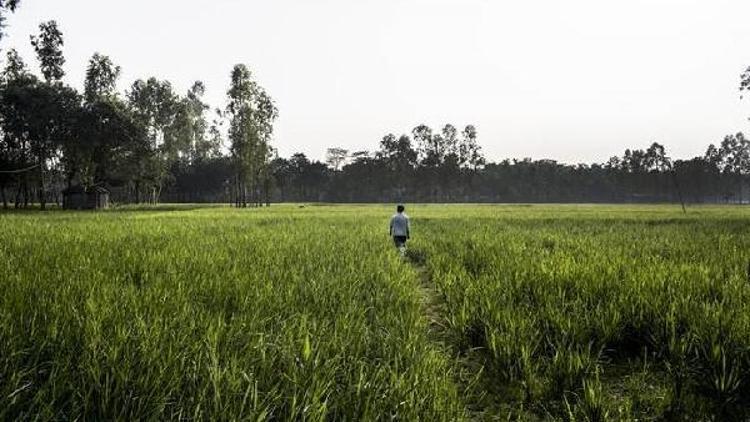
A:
(400, 229)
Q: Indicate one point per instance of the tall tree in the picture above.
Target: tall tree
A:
(101, 78)
(656, 158)
(215, 140)
(15, 67)
(47, 134)
(470, 153)
(251, 114)
(735, 154)
(634, 161)
(398, 153)
(110, 143)
(48, 46)
(336, 157)
(713, 157)
(203, 143)
(39, 118)
(422, 135)
(109, 138)
(156, 107)
(13, 140)
(450, 140)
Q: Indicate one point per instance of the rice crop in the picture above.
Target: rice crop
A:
(309, 313)
(212, 314)
(596, 313)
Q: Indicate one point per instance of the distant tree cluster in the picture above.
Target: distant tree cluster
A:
(437, 171)
(138, 144)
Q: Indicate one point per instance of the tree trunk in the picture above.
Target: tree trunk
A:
(740, 179)
(2, 193)
(26, 192)
(257, 197)
(236, 191)
(240, 188)
(267, 188)
(157, 192)
(42, 193)
(251, 194)
(679, 192)
(244, 194)
(17, 204)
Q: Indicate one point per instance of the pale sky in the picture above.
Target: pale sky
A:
(573, 80)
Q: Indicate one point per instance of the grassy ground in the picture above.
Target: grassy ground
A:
(531, 312)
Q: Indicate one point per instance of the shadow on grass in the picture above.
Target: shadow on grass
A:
(163, 207)
(417, 257)
(140, 208)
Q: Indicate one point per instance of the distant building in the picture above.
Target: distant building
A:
(78, 198)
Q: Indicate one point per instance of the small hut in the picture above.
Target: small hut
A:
(78, 198)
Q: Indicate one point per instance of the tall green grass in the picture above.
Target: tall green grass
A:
(212, 314)
(600, 313)
(292, 313)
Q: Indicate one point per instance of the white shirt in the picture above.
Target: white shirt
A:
(400, 225)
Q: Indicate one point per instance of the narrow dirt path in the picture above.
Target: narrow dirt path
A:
(469, 366)
(433, 306)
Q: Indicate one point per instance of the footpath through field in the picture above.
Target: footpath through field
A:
(468, 373)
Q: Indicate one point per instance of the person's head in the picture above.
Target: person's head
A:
(400, 208)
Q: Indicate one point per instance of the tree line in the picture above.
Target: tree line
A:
(421, 168)
(151, 144)
(448, 166)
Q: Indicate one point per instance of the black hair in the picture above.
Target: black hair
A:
(400, 208)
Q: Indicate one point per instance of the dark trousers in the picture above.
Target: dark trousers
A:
(399, 241)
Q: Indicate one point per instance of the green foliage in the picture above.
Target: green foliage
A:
(101, 78)
(48, 46)
(15, 68)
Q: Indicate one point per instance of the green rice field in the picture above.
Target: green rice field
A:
(497, 312)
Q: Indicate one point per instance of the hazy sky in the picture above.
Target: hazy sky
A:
(574, 80)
